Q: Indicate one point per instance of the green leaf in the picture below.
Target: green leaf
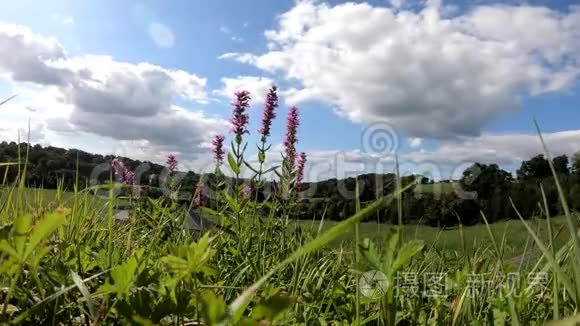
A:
(44, 228)
(123, 277)
(261, 156)
(272, 307)
(232, 202)
(21, 227)
(86, 294)
(8, 249)
(371, 254)
(233, 164)
(408, 251)
(214, 308)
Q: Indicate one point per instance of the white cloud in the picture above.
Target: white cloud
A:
(97, 95)
(415, 142)
(237, 39)
(503, 149)
(162, 35)
(429, 75)
(257, 86)
(396, 3)
(226, 30)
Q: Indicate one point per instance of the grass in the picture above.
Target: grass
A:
(450, 239)
(152, 270)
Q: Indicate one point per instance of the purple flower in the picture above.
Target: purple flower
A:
(129, 177)
(198, 200)
(122, 173)
(118, 167)
(301, 163)
(239, 116)
(291, 139)
(172, 162)
(246, 191)
(269, 113)
(218, 149)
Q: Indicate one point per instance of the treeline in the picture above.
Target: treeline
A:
(483, 188)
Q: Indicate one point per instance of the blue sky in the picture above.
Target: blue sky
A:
(452, 85)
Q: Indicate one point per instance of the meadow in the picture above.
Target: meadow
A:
(67, 260)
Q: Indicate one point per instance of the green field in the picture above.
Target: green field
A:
(443, 187)
(512, 234)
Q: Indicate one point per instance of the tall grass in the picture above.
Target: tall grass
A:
(66, 260)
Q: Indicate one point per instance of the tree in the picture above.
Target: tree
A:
(561, 165)
(535, 168)
(576, 164)
(485, 179)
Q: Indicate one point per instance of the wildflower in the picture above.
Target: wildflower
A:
(122, 173)
(269, 113)
(300, 162)
(172, 162)
(240, 117)
(246, 191)
(290, 142)
(198, 200)
(129, 177)
(218, 149)
(118, 167)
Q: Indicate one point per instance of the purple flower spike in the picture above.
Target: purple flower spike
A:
(198, 201)
(118, 167)
(172, 162)
(240, 117)
(129, 177)
(301, 163)
(218, 149)
(291, 139)
(269, 113)
(246, 191)
(122, 173)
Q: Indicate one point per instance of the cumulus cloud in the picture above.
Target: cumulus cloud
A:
(429, 73)
(503, 149)
(257, 86)
(95, 94)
